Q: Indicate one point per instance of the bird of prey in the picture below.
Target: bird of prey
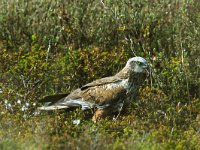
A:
(106, 96)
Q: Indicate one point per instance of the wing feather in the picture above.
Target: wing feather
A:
(102, 81)
(99, 93)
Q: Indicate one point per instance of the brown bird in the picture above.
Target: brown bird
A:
(106, 96)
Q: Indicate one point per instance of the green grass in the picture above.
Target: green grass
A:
(40, 134)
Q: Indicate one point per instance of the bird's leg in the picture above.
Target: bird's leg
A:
(99, 114)
(120, 109)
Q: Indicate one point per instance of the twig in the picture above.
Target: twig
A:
(48, 50)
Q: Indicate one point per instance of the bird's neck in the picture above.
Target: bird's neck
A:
(134, 79)
(124, 73)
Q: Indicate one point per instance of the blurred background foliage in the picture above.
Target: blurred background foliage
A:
(51, 47)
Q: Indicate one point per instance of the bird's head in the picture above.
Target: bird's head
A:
(137, 65)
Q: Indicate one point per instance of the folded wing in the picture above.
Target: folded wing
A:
(98, 94)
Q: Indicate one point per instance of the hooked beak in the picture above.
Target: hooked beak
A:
(146, 68)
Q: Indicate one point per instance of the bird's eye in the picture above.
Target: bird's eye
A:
(139, 63)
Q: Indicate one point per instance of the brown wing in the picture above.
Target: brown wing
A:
(102, 81)
(100, 94)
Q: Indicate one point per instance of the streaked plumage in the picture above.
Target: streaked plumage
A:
(107, 95)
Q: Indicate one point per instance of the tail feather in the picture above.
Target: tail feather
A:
(53, 98)
(65, 104)
(49, 102)
(52, 107)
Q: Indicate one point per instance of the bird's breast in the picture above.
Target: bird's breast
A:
(119, 84)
